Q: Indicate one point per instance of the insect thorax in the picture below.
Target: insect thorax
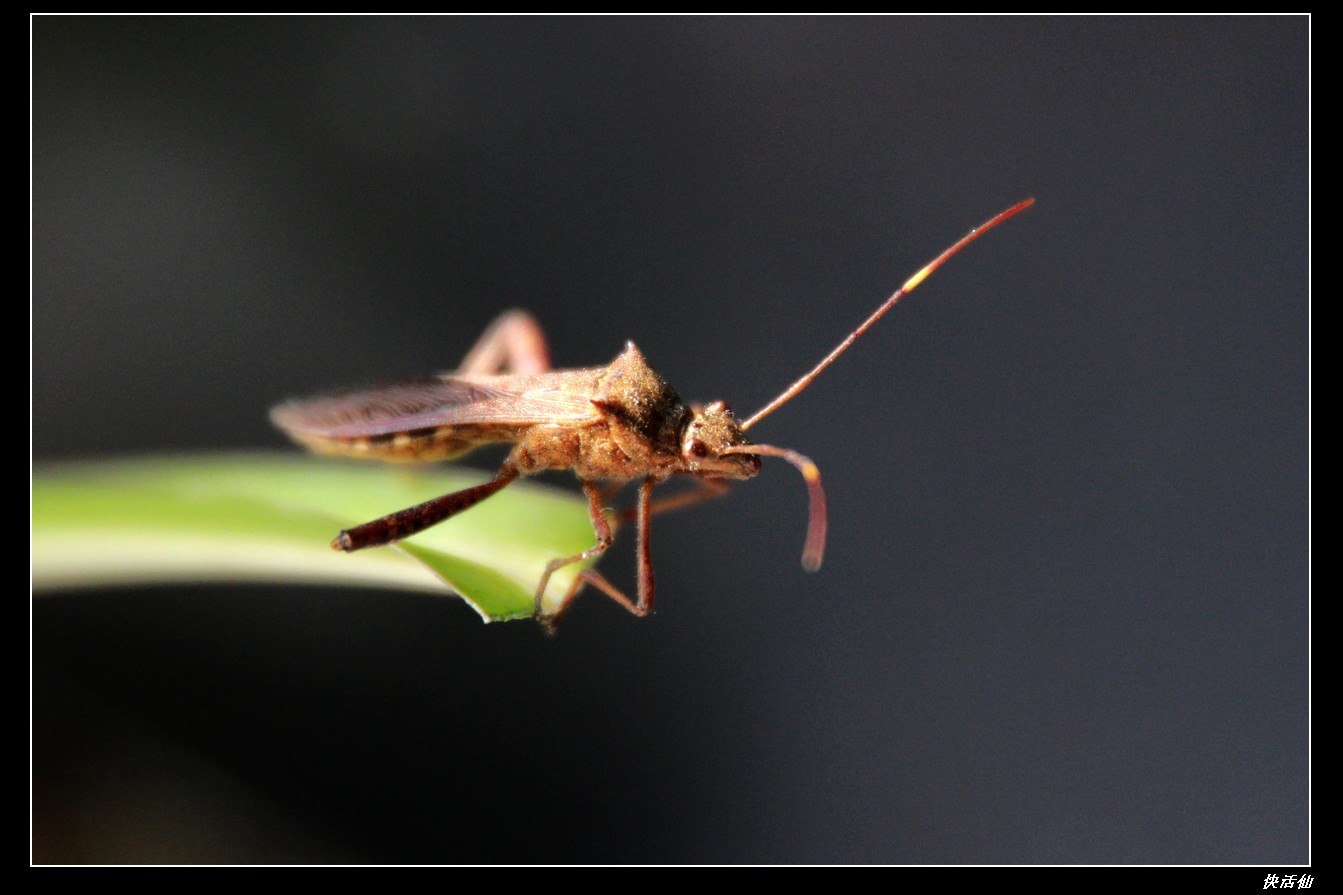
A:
(638, 435)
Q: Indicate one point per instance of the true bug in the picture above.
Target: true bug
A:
(617, 423)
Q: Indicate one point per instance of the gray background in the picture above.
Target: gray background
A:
(1064, 613)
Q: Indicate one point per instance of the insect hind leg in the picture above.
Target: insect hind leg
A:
(513, 343)
(413, 520)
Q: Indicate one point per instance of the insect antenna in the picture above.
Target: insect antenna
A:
(814, 549)
(904, 290)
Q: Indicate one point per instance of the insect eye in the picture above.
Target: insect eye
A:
(718, 407)
(698, 448)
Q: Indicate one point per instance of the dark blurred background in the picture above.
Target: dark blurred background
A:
(1064, 613)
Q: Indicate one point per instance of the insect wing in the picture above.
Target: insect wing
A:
(445, 401)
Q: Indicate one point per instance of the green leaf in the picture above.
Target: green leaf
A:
(263, 517)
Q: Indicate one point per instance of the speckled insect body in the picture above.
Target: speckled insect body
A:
(617, 423)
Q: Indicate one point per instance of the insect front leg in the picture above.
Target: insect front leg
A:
(602, 528)
(513, 343)
(413, 520)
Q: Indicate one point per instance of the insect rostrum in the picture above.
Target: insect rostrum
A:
(617, 423)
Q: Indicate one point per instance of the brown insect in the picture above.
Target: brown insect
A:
(617, 423)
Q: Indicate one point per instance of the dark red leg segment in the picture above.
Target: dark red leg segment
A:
(416, 519)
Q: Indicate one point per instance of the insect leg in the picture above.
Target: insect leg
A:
(707, 488)
(591, 576)
(404, 523)
(602, 529)
(513, 343)
(645, 550)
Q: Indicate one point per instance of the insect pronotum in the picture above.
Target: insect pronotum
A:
(617, 423)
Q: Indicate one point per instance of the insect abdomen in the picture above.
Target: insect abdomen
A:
(430, 443)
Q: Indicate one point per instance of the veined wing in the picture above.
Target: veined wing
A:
(560, 397)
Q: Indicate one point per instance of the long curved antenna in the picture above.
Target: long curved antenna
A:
(813, 551)
(904, 290)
